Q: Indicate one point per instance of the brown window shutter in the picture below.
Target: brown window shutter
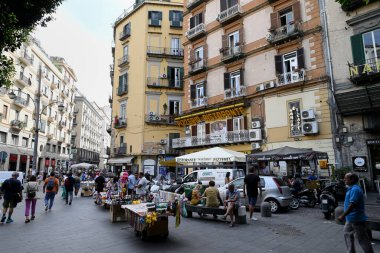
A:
(205, 88)
(297, 11)
(194, 130)
(227, 81)
(278, 64)
(192, 22)
(300, 58)
(205, 51)
(245, 123)
(191, 58)
(224, 42)
(230, 126)
(242, 77)
(207, 128)
(193, 94)
(274, 21)
(241, 35)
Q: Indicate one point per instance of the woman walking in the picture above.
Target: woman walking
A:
(31, 190)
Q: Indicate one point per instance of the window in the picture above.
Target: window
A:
(42, 126)
(175, 77)
(26, 120)
(238, 124)
(196, 20)
(176, 47)
(17, 115)
(123, 110)
(155, 18)
(371, 42)
(234, 84)
(284, 20)
(54, 148)
(25, 142)
(126, 31)
(175, 18)
(48, 146)
(123, 85)
(15, 139)
(3, 137)
(5, 111)
(201, 132)
(125, 51)
(290, 67)
(174, 107)
(226, 4)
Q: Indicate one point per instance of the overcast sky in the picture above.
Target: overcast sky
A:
(82, 34)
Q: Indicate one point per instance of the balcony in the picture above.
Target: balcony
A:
(61, 124)
(291, 77)
(231, 137)
(199, 65)
(124, 34)
(365, 73)
(63, 94)
(230, 14)
(122, 90)
(21, 102)
(76, 111)
(123, 61)
(50, 119)
(17, 125)
(175, 24)
(66, 79)
(233, 92)
(26, 59)
(61, 139)
(354, 4)
(23, 80)
(120, 123)
(231, 53)
(191, 4)
(109, 129)
(158, 83)
(196, 32)
(120, 151)
(53, 86)
(159, 119)
(285, 33)
(198, 102)
(49, 136)
(154, 22)
(176, 53)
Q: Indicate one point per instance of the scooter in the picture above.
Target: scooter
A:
(328, 201)
(305, 198)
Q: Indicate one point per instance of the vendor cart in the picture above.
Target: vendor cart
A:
(87, 188)
(146, 223)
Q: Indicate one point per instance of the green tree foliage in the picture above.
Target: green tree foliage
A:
(17, 20)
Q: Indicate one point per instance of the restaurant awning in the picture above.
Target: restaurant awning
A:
(287, 153)
(212, 155)
(121, 160)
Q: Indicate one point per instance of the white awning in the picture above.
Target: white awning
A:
(212, 155)
(121, 160)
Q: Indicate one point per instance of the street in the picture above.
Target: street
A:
(84, 227)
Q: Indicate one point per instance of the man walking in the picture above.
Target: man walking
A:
(251, 185)
(99, 187)
(51, 187)
(355, 216)
(12, 189)
(131, 183)
(69, 186)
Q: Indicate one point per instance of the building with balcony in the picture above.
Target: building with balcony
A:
(354, 38)
(105, 140)
(147, 78)
(254, 71)
(17, 125)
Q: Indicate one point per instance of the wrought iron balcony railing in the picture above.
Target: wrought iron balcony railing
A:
(196, 31)
(160, 119)
(291, 77)
(165, 51)
(229, 14)
(235, 92)
(199, 102)
(284, 33)
(123, 60)
(154, 82)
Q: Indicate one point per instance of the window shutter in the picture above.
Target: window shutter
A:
(193, 92)
(274, 21)
(205, 51)
(357, 49)
(245, 123)
(170, 77)
(229, 125)
(242, 77)
(171, 15)
(224, 42)
(192, 23)
(297, 11)
(241, 35)
(205, 88)
(194, 130)
(300, 58)
(149, 15)
(181, 73)
(207, 128)
(192, 57)
(200, 18)
(278, 64)
(181, 16)
(126, 79)
(233, 3)
(223, 5)
(226, 81)
(159, 15)
(120, 81)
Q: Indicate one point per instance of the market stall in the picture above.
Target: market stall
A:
(286, 161)
(87, 188)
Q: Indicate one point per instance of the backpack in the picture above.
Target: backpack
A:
(67, 182)
(50, 184)
(30, 192)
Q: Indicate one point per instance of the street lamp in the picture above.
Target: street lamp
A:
(37, 117)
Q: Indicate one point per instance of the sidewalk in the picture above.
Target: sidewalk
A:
(373, 198)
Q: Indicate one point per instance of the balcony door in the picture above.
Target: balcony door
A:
(175, 46)
(174, 107)
(287, 21)
(199, 93)
(235, 83)
(198, 56)
(201, 133)
(238, 125)
(290, 66)
(233, 42)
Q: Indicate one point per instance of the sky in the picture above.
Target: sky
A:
(82, 34)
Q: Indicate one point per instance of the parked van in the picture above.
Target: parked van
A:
(206, 175)
(4, 175)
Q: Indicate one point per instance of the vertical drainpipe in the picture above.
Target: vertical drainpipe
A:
(331, 89)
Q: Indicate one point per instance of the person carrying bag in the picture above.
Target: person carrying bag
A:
(31, 190)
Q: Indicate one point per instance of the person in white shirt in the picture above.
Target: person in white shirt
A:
(141, 186)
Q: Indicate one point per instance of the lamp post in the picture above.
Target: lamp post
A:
(37, 114)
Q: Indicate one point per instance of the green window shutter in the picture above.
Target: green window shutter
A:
(120, 81)
(170, 77)
(181, 72)
(171, 15)
(357, 49)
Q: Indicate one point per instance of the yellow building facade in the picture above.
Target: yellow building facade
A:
(147, 79)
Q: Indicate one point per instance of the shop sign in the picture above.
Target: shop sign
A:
(211, 116)
(294, 110)
(47, 162)
(366, 69)
(13, 158)
(23, 158)
(373, 142)
(359, 163)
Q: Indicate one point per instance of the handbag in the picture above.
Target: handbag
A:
(18, 197)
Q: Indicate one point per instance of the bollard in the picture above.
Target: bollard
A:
(242, 215)
(338, 212)
(265, 209)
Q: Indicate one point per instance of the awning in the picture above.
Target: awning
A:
(168, 163)
(287, 153)
(212, 155)
(16, 150)
(121, 160)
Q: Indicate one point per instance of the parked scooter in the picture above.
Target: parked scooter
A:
(329, 201)
(305, 198)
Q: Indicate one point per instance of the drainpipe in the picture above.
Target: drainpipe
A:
(331, 98)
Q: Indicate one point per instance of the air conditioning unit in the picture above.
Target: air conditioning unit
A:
(161, 151)
(256, 124)
(163, 141)
(269, 85)
(310, 127)
(255, 135)
(307, 114)
(163, 76)
(255, 145)
(260, 87)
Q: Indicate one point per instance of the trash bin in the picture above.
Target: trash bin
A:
(242, 215)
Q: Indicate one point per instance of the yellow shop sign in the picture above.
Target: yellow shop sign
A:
(368, 68)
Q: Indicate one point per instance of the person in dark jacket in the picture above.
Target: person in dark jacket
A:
(12, 189)
(69, 186)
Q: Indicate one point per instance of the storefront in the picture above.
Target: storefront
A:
(374, 154)
(121, 163)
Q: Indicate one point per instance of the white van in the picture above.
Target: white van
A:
(206, 175)
(4, 175)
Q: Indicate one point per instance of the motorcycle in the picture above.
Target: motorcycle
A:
(305, 198)
(329, 201)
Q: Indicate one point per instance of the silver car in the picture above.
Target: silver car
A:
(275, 192)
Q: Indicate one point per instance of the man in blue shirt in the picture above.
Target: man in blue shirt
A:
(355, 216)
(131, 183)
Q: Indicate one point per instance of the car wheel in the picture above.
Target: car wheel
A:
(294, 204)
(275, 206)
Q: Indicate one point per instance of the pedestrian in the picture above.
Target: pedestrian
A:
(354, 214)
(51, 187)
(31, 189)
(77, 183)
(227, 180)
(99, 187)
(141, 186)
(61, 181)
(250, 189)
(69, 187)
(131, 183)
(12, 190)
(231, 204)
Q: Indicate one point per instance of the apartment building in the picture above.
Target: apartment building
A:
(17, 124)
(354, 39)
(105, 138)
(88, 129)
(255, 79)
(147, 78)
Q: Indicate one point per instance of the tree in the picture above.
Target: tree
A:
(17, 19)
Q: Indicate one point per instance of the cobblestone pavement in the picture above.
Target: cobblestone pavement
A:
(84, 227)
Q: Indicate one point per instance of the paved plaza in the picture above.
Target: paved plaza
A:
(84, 227)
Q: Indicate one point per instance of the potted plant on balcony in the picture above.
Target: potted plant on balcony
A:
(116, 120)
